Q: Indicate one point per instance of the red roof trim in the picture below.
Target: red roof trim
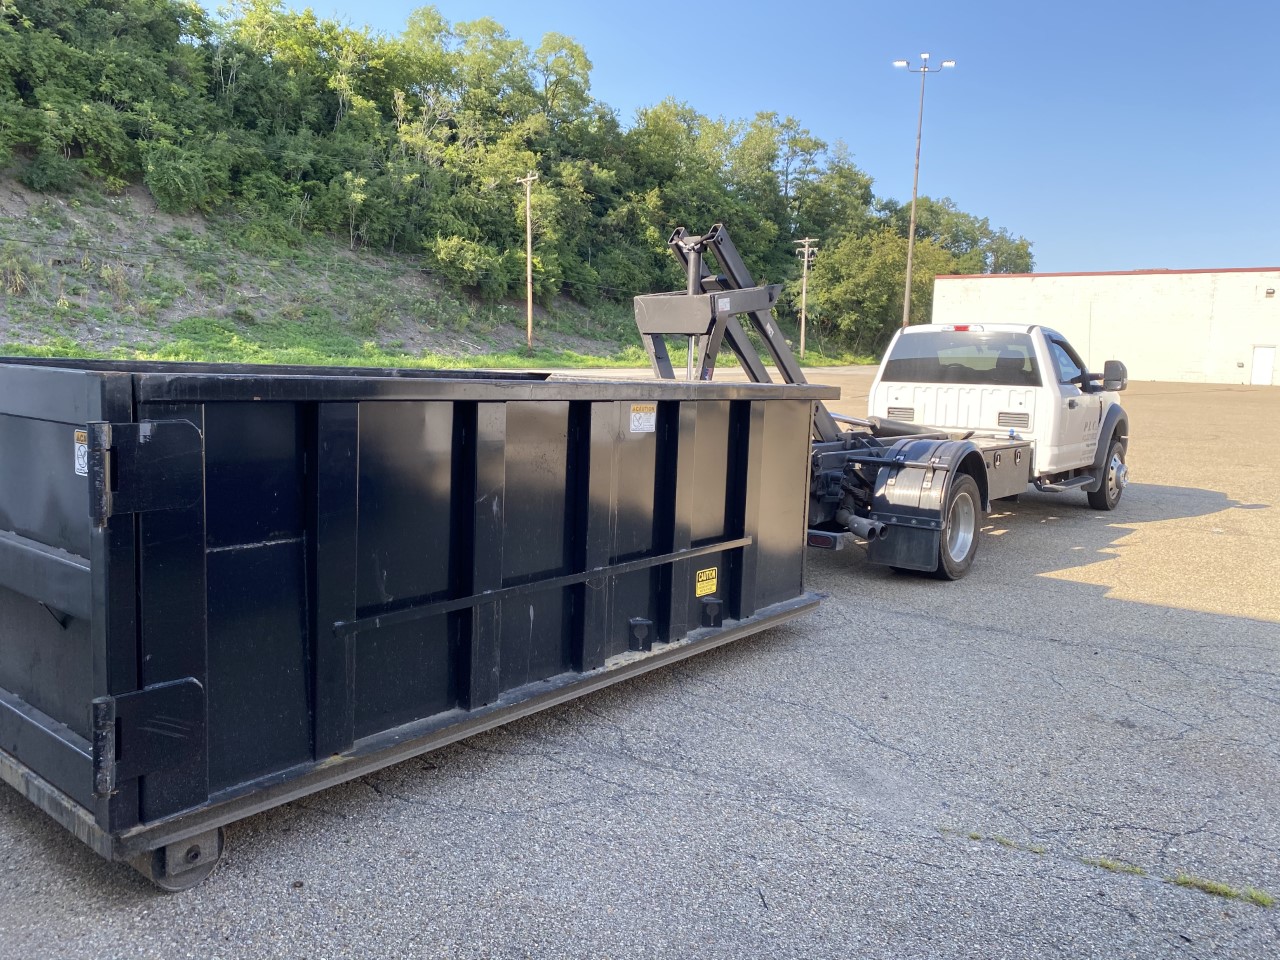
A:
(1106, 273)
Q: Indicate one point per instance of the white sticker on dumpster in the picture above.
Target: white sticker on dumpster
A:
(82, 453)
(644, 417)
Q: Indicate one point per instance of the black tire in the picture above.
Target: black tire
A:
(961, 522)
(1114, 478)
(152, 865)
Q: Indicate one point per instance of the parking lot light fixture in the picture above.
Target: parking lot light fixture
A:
(924, 70)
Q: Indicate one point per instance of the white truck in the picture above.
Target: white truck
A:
(1023, 396)
(1015, 381)
(960, 416)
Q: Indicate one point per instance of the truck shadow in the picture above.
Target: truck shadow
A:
(1052, 532)
(1076, 534)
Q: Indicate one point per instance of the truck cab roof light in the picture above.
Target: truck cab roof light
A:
(964, 327)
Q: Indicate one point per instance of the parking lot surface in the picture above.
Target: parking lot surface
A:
(1072, 752)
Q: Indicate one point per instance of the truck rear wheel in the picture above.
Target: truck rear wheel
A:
(1114, 477)
(959, 541)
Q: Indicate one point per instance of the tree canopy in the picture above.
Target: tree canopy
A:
(413, 143)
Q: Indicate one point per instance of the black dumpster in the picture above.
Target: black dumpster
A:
(224, 587)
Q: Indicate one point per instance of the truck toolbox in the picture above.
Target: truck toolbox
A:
(224, 587)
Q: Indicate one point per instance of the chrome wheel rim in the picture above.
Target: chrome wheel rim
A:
(961, 525)
(1117, 477)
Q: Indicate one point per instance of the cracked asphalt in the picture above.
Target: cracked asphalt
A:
(918, 769)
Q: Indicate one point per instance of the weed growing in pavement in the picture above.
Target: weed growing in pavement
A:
(1257, 897)
(1216, 888)
(1115, 866)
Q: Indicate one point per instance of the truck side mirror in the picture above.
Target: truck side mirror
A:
(1115, 376)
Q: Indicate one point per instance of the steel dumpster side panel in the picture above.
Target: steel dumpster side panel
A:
(292, 577)
(259, 659)
(55, 651)
(784, 503)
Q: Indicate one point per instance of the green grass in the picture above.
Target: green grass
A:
(311, 335)
(1213, 887)
(211, 341)
(1216, 888)
(995, 837)
(1115, 866)
(102, 279)
(1259, 898)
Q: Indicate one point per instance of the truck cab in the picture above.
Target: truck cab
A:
(1012, 381)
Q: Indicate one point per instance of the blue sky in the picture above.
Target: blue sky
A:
(1129, 134)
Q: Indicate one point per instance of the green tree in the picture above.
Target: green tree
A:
(302, 123)
(858, 285)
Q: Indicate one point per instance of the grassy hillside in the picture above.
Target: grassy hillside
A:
(91, 275)
(113, 276)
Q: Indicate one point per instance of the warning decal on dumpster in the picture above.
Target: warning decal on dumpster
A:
(706, 581)
(82, 453)
(644, 417)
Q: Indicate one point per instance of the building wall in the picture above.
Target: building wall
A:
(1194, 326)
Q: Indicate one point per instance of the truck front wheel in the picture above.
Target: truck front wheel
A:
(960, 531)
(1114, 477)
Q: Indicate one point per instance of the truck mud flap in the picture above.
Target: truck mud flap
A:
(910, 549)
(910, 492)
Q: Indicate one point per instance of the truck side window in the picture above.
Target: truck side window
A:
(1068, 369)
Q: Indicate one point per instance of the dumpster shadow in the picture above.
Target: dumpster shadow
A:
(579, 755)
(28, 834)
(828, 746)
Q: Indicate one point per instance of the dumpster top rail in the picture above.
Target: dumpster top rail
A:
(157, 381)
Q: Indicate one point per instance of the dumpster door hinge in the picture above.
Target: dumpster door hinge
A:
(149, 730)
(150, 465)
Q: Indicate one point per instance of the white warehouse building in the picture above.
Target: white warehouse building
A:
(1206, 326)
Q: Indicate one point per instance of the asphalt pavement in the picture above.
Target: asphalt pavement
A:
(1020, 764)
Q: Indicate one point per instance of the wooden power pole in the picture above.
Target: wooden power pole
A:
(528, 252)
(806, 254)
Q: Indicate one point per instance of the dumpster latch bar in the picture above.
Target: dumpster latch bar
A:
(152, 729)
(144, 466)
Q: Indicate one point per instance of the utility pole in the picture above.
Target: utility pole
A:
(528, 252)
(924, 71)
(806, 254)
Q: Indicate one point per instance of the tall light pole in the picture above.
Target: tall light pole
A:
(924, 70)
(806, 253)
(528, 252)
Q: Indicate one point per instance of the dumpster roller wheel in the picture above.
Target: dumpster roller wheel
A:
(184, 864)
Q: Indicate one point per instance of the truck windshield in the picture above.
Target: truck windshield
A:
(959, 356)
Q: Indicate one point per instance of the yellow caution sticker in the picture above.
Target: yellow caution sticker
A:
(82, 453)
(706, 582)
(644, 418)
